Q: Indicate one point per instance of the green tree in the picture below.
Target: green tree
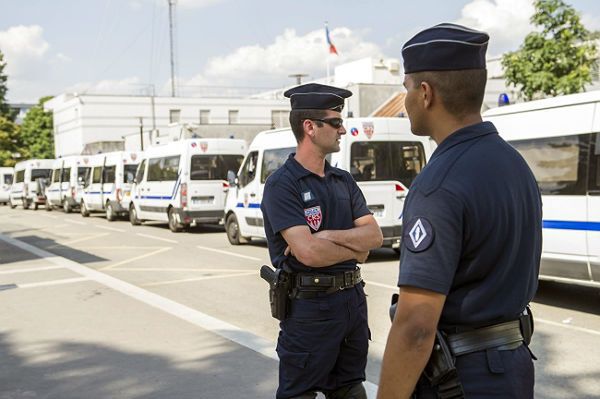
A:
(4, 108)
(37, 132)
(9, 142)
(555, 60)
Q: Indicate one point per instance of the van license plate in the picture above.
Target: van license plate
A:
(202, 201)
(377, 210)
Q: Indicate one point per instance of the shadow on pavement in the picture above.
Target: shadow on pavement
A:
(54, 247)
(583, 299)
(65, 370)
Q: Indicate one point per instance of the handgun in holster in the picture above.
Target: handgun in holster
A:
(279, 290)
(440, 371)
(527, 325)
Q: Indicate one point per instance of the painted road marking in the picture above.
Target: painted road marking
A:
(79, 240)
(152, 253)
(75, 222)
(188, 280)
(54, 282)
(228, 253)
(31, 269)
(180, 269)
(110, 228)
(157, 238)
(193, 316)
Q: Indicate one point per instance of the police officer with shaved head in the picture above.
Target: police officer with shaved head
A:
(318, 228)
(471, 242)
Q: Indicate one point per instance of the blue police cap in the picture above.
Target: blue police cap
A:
(317, 96)
(445, 47)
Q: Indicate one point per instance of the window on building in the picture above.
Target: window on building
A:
(204, 116)
(233, 116)
(279, 119)
(174, 116)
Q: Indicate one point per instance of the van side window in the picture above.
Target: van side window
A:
(83, 174)
(594, 175)
(163, 169)
(129, 173)
(140, 171)
(386, 160)
(20, 176)
(248, 171)
(55, 175)
(66, 175)
(559, 164)
(97, 175)
(273, 160)
(40, 174)
(7, 179)
(213, 167)
(109, 174)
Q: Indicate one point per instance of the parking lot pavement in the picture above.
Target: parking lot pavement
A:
(70, 333)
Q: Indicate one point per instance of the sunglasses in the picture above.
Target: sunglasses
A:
(333, 122)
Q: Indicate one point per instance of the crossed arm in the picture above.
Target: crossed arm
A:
(329, 247)
(410, 341)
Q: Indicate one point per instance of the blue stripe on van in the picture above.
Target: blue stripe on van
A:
(571, 225)
(241, 205)
(163, 197)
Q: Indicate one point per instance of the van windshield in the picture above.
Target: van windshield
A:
(386, 160)
(129, 174)
(40, 173)
(273, 160)
(213, 167)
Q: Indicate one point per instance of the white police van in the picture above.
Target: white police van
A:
(108, 184)
(560, 140)
(184, 182)
(382, 155)
(66, 185)
(6, 178)
(29, 183)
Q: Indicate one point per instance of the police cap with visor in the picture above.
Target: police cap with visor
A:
(445, 47)
(317, 96)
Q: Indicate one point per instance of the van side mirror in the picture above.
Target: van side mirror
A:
(231, 178)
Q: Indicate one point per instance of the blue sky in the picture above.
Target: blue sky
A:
(121, 46)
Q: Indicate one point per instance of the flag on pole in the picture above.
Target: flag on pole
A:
(332, 48)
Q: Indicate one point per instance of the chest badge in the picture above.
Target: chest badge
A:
(313, 217)
(307, 196)
(418, 235)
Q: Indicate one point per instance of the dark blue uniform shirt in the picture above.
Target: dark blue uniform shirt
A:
(472, 229)
(294, 196)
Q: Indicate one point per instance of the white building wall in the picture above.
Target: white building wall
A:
(84, 119)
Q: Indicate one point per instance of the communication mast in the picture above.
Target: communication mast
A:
(172, 33)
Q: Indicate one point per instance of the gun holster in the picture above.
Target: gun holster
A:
(279, 290)
(441, 372)
(527, 325)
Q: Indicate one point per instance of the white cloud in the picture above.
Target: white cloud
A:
(197, 3)
(591, 22)
(506, 21)
(24, 48)
(257, 65)
(128, 85)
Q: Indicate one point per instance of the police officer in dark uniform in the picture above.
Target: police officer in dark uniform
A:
(471, 242)
(318, 227)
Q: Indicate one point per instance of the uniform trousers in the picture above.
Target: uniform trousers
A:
(323, 343)
(492, 374)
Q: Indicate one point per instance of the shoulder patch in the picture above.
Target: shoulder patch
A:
(418, 234)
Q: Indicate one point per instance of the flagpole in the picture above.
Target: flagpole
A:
(328, 55)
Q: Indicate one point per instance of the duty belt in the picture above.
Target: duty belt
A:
(503, 336)
(309, 285)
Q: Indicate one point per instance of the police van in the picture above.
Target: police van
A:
(107, 185)
(184, 182)
(29, 183)
(6, 178)
(560, 140)
(66, 185)
(382, 155)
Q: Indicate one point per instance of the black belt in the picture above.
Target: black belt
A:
(503, 336)
(309, 285)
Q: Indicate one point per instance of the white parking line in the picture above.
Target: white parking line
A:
(179, 269)
(188, 280)
(391, 287)
(54, 282)
(202, 320)
(31, 269)
(228, 253)
(75, 222)
(157, 238)
(47, 216)
(110, 228)
(152, 253)
(568, 326)
(62, 244)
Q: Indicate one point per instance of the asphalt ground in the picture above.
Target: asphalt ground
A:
(92, 309)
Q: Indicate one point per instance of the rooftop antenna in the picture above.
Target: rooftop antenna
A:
(298, 77)
(172, 41)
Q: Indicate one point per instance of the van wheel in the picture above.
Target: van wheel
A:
(35, 206)
(111, 216)
(10, 203)
(133, 216)
(66, 206)
(173, 225)
(232, 228)
(397, 250)
(84, 211)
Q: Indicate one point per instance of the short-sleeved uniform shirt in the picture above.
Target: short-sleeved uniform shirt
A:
(294, 196)
(472, 229)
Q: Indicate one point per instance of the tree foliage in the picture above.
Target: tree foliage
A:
(555, 60)
(37, 132)
(9, 142)
(5, 110)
